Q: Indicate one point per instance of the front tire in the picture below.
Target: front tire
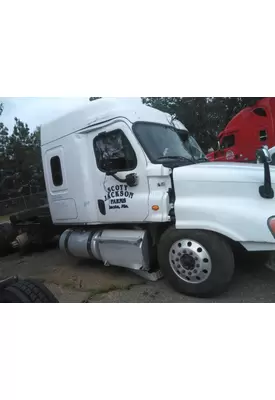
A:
(196, 263)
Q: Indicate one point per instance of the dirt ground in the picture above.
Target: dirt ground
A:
(71, 280)
(75, 281)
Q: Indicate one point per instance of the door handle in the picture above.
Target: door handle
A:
(101, 206)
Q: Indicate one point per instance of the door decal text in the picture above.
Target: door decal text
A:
(118, 196)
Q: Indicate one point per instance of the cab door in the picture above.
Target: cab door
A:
(228, 149)
(118, 154)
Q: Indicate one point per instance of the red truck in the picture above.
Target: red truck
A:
(249, 130)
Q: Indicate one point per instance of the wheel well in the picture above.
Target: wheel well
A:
(236, 247)
(157, 230)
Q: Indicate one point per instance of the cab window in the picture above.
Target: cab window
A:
(114, 152)
(228, 141)
(263, 135)
(56, 171)
(260, 112)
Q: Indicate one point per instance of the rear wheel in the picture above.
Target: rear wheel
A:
(27, 291)
(197, 263)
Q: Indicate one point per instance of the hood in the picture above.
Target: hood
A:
(223, 172)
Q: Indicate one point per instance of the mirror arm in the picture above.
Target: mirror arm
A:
(131, 179)
(266, 190)
(113, 174)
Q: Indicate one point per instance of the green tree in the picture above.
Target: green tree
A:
(23, 151)
(3, 141)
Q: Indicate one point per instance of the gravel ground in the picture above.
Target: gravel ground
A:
(72, 280)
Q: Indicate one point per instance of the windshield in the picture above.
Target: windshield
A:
(161, 141)
(194, 148)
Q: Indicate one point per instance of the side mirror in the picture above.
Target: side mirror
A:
(263, 156)
(216, 146)
(272, 155)
(131, 180)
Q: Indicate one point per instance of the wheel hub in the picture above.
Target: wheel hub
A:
(190, 261)
(187, 262)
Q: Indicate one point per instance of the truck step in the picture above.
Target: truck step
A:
(149, 276)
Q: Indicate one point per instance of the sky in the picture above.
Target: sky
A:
(37, 110)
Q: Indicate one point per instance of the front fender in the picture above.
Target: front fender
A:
(238, 219)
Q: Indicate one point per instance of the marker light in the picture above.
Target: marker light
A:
(271, 225)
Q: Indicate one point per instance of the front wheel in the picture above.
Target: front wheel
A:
(196, 263)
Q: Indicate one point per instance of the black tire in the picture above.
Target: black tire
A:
(27, 291)
(7, 235)
(221, 256)
(4, 245)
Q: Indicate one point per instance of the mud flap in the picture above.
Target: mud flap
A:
(271, 261)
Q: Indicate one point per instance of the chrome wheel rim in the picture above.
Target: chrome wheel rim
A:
(190, 261)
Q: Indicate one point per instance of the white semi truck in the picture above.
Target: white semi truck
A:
(127, 185)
